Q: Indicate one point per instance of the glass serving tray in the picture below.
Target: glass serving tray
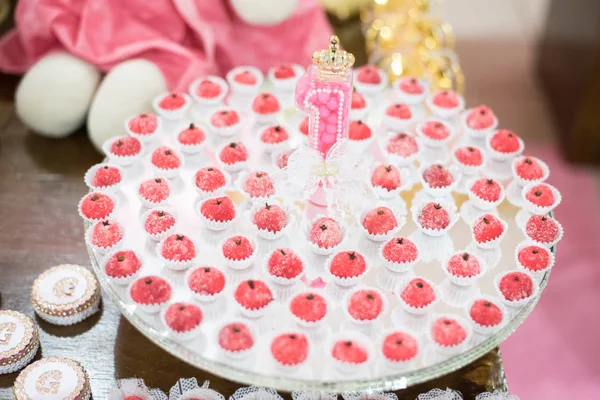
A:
(207, 358)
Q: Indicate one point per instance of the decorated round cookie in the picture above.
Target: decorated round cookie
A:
(19, 341)
(53, 378)
(65, 294)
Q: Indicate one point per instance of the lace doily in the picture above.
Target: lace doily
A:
(135, 387)
(188, 388)
(255, 393)
(496, 395)
(314, 396)
(370, 396)
(439, 394)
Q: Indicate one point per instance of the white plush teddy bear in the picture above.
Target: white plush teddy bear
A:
(61, 91)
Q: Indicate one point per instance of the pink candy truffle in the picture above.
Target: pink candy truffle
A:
(258, 184)
(399, 347)
(515, 286)
(411, 85)
(154, 190)
(365, 305)
(106, 176)
(400, 250)
(165, 158)
(253, 294)
(463, 265)
(402, 145)
(178, 248)
(309, 307)
(290, 348)
(398, 110)
(220, 209)
(368, 74)
(487, 189)
(191, 136)
(448, 332)
(172, 102)
(150, 290)
(237, 248)
(95, 206)
(224, 119)
(265, 103)
(208, 89)
(210, 179)
(183, 317)
(284, 263)
(206, 281)
(505, 141)
(435, 130)
(387, 177)
(270, 218)
(469, 156)
(274, 135)
(348, 264)
(541, 195)
(245, 78)
(481, 117)
(446, 99)
(122, 264)
(349, 351)
(233, 153)
(236, 337)
(434, 216)
(359, 131)
(159, 221)
(542, 229)
(529, 168)
(326, 233)
(380, 221)
(418, 293)
(437, 176)
(143, 124)
(126, 146)
(106, 234)
(487, 227)
(534, 258)
(485, 313)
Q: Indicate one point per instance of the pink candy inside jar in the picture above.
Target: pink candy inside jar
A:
(327, 101)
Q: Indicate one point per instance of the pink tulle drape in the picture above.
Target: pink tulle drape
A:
(185, 38)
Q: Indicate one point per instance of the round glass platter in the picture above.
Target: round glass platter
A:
(288, 382)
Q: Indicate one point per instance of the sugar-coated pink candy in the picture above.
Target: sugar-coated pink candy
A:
(183, 317)
(448, 332)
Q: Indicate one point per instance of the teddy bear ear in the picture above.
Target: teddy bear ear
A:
(264, 12)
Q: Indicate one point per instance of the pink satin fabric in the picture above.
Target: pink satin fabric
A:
(185, 38)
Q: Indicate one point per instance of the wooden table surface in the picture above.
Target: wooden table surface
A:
(41, 182)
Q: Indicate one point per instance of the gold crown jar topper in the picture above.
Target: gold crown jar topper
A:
(333, 61)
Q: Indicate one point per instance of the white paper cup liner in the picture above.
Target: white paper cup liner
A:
(345, 282)
(89, 177)
(180, 336)
(417, 310)
(486, 330)
(445, 113)
(476, 134)
(348, 367)
(539, 210)
(538, 275)
(159, 235)
(440, 191)
(388, 280)
(489, 244)
(243, 263)
(417, 323)
(171, 115)
(360, 146)
(455, 295)
(93, 220)
(398, 124)
(323, 251)
(524, 182)
(468, 212)
(499, 156)
(192, 149)
(123, 280)
(209, 102)
(458, 348)
(242, 89)
(266, 118)
(381, 237)
(431, 142)
(371, 89)
(483, 204)
(177, 265)
(120, 160)
(100, 249)
(212, 224)
(515, 303)
(449, 207)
